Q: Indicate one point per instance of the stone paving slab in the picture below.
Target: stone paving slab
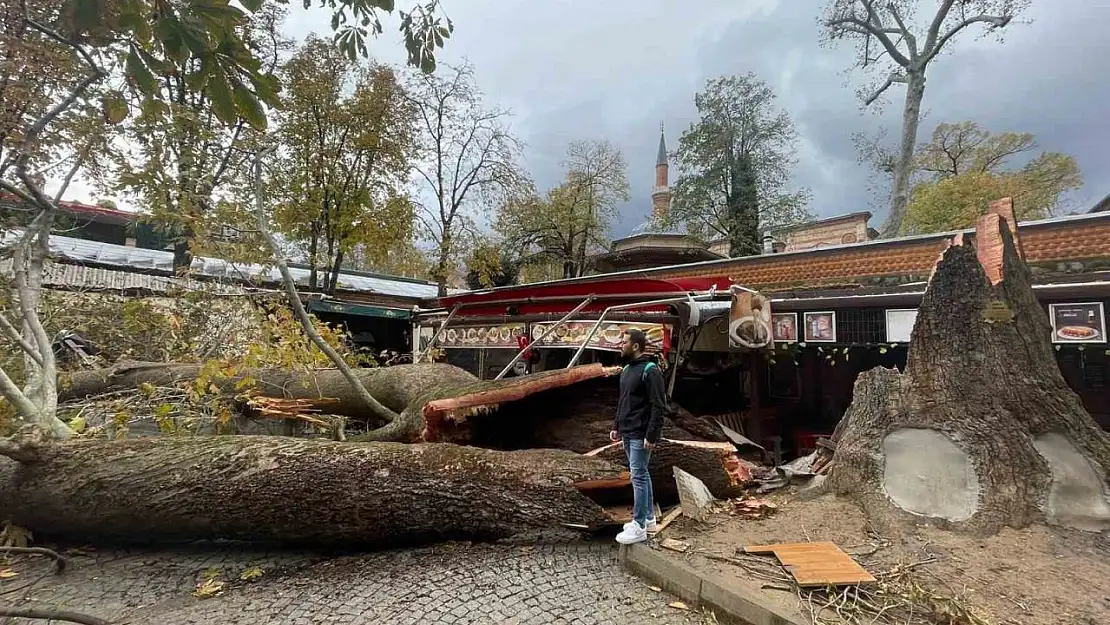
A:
(572, 583)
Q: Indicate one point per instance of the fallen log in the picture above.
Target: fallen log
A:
(433, 400)
(293, 491)
(715, 464)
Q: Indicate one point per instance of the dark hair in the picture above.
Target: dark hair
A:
(638, 337)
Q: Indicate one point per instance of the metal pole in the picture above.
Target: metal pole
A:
(601, 319)
(544, 335)
(435, 337)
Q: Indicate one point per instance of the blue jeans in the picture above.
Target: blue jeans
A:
(642, 497)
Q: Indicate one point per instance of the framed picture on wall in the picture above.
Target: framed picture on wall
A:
(784, 327)
(1078, 323)
(820, 327)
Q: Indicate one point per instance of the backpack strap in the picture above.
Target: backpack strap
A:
(647, 367)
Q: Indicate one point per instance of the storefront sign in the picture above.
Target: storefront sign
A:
(500, 336)
(899, 324)
(609, 336)
(784, 327)
(820, 327)
(1078, 323)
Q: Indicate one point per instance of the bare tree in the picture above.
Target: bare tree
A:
(889, 38)
(467, 151)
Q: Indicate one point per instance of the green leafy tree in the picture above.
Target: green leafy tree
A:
(963, 168)
(90, 42)
(892, 41)
(572, 221)
(489, 266)
(178, 157)
(740, 135)
(348, 140)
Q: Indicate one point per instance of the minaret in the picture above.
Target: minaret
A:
(661, 194)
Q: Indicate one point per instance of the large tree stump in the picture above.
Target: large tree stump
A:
(288, 490)
(980, 431)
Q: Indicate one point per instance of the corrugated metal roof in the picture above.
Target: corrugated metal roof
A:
(84, 252)
(81, 277)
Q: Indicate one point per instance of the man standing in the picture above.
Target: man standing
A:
(637, 424)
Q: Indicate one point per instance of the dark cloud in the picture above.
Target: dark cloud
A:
(615, 69)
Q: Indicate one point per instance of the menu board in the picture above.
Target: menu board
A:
(498, 336)
(1078, 323)
(609, 336)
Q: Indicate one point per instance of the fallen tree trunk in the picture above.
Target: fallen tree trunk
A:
(981, 431)
(294, 491)
(433, 400)
(715, 464)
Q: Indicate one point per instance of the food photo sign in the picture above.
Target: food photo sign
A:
(1078, 323)
(609, 336)
(483, 336)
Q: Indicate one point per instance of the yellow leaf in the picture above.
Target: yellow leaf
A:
(7, 574)
(77, 424)
(252, 573)
(678, 605)
(208, 588)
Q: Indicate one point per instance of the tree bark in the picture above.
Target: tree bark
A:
(433, 400)
(981, 431)
(715, 464)
(911, 117)
(295, 491)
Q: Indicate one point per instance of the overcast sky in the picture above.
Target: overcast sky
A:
(614, 69)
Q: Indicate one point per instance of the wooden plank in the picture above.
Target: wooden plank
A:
(787, 547)
(816, 564)
(667, 520)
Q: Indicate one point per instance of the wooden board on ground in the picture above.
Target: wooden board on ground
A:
(667, 520)
(816, 564)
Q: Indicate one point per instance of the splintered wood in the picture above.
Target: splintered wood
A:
(816, 564)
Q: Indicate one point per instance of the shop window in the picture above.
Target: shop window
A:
(861, 326)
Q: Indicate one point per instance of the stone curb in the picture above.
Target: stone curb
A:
(694, 587)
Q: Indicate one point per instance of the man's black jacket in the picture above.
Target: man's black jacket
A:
(642, 402)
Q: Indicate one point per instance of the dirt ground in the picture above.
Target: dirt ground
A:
(1033, 576)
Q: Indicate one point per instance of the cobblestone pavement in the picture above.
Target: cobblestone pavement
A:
(574, 583)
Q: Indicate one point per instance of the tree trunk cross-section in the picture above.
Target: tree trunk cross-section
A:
(296, 491)
(981, 431)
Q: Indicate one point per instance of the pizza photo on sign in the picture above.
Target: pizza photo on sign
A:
(1078, 323)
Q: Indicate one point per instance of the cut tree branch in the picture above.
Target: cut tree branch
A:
(294, 298)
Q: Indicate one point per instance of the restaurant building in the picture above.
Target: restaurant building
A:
(837, 309)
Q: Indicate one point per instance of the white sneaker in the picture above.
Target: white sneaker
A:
(633, 534)
(652, 526)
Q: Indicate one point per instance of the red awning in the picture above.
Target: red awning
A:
(561, 296)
